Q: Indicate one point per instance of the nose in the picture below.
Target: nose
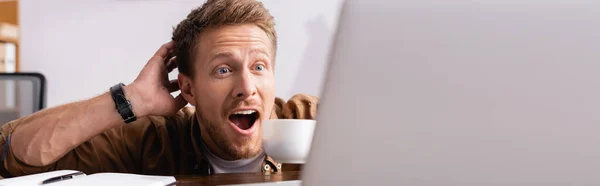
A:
(244, 86)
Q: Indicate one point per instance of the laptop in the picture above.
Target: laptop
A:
(461, 92)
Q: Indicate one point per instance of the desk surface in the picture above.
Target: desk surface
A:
(238, 178)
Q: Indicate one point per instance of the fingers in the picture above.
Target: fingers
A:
(300, 106)
(171, 63)
(277, 108)
(163, 55)
(295, 109)
(164, 50)
(173, 85)
(305, 106)
(289, 110)
(313, 111)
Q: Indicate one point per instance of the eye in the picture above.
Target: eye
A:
(259, 67)
(223, 70)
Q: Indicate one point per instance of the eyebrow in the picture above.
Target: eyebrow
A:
(260, 50)
(221, 55)
(229, 54)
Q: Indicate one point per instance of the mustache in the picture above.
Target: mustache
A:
(244, 103)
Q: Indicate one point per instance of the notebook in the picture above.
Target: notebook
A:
(73, 178)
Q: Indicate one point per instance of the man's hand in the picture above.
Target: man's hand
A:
(150, 93)
(300, 106)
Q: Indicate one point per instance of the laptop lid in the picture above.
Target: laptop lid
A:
(462, 92)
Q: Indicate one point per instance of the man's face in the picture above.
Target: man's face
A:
(233, 88)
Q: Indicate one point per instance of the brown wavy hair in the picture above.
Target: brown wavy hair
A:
(216, 13)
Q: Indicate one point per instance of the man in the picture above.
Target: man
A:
(225, 54)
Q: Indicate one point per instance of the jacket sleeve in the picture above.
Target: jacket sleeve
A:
(120, 149)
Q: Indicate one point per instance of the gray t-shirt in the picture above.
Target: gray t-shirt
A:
(237, 166)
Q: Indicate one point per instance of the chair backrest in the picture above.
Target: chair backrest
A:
(21, 94)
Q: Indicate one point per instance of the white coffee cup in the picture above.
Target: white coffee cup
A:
(288, 140)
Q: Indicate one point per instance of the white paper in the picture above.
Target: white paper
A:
(111, 179)
(34, 179)
(117, 179)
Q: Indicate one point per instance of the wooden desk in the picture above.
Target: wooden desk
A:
(239, 178)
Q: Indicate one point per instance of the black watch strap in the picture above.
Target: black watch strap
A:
(121, 103)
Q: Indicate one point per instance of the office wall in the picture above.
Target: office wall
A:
(84, 47)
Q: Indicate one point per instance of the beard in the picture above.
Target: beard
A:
(240, 147)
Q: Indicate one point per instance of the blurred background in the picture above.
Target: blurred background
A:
(79, 48)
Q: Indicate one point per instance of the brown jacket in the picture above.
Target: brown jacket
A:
(150, 145)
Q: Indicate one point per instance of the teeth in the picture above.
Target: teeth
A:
(246, 112)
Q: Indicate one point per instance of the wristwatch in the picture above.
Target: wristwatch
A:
(121, 103)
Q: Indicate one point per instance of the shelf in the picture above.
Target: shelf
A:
(9, 40)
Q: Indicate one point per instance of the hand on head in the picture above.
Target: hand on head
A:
(150, 93)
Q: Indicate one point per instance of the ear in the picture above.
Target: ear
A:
(185, 85)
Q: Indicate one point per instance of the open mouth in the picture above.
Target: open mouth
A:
(244, 119)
